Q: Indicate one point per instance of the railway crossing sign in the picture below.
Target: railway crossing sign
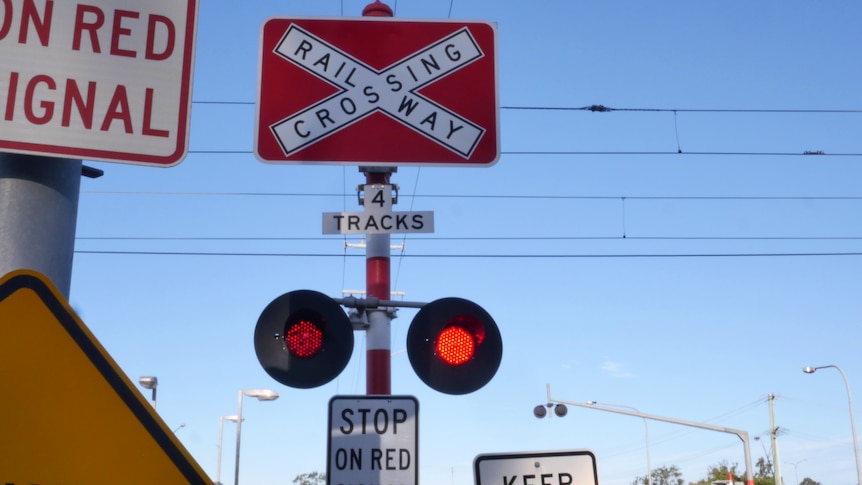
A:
(71, 415)
(377, 92)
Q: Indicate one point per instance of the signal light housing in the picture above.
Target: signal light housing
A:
(454, 346)
(303, 339)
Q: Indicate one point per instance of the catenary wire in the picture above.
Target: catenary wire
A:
(413, 197)
(486, 256)
(490, 238)
(485, 196)
(615, 152)
(601, 108)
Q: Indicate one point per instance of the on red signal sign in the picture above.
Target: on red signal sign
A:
(97, 79)
(373, 439)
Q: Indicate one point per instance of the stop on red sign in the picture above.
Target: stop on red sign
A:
(377, 92)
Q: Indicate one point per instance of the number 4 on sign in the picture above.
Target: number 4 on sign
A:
(378, 198)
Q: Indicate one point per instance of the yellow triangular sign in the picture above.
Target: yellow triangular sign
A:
(68, 414)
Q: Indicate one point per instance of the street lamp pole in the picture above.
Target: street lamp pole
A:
(743, 435)
(646, 433)
(795, 471)
(261, 395)
(811, 370)
(221, 421)
(150, 382)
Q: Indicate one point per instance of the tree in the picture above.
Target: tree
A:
(666, 475)
(764, 474)
(313, 478)
(720, 472)
(764, 468)
(808, 481)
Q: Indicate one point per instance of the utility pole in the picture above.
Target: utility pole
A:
(773, 432)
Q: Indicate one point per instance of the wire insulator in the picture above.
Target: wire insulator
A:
(600, 108)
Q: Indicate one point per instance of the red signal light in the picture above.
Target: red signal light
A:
(455, 345)
(303, 339)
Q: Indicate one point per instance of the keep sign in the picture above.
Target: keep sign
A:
(97, 79)
(377, 92)
(570, 467)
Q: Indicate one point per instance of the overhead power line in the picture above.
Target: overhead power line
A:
(806, 153)
(479, 256)
(598, 108)
(484, 238)
(489, 196)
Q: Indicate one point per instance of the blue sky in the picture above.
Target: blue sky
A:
(689, 285)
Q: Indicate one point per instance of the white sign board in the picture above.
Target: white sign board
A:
(378, 217)
(378, 223)
(97, 79)
(373, 440)
(538, 468)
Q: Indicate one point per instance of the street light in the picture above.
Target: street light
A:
(811, 370)
(795, 471)
(646, 433)
(221, 421)
(559, 409)
(150, 382)
(741, 434)
(261, 395)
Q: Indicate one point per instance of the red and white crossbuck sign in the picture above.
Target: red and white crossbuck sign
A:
(378, 92)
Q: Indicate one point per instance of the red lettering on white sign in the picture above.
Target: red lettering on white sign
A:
(95, 79)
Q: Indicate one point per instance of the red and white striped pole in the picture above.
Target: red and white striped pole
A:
(377, 284)
(378, 374)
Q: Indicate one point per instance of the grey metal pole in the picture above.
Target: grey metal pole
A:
(238, 436)
(795, 469)
(646, 434)
(218, 462)
(852, 426)
(810, 370)
(743, 435)
(38, 215)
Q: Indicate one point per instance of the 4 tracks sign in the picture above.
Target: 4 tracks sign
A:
(377, 92)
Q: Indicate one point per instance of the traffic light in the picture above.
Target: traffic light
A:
(454, 345)
(303, 339)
